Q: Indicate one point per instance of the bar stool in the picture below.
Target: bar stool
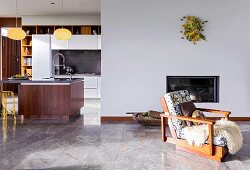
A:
(5, 111)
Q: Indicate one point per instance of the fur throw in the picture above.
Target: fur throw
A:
(198, 134)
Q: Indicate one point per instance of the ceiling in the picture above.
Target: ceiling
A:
(44, 7)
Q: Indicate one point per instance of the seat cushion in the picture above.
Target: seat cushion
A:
(173, 99)
(217, 140)
(187, 110)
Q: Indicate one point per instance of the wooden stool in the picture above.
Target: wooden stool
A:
(5, 111)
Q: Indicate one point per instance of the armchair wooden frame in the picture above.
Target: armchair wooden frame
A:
(209, 150)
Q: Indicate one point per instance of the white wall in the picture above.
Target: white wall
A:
(141, 45)
(57, 20)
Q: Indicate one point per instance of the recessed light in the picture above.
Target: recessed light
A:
(52, 3)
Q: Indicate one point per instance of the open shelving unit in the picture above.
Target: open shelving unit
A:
(26, 44)
(26, 50)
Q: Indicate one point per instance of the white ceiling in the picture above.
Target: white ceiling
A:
(44, 7)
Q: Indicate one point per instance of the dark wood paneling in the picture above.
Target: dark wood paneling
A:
(50, 101)
(57, 100)
(10, 61)
(112, 119)
(10, 22)
(10, 53)
(77, 97)
(31, 100)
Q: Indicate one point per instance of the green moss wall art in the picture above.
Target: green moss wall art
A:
(192, 29)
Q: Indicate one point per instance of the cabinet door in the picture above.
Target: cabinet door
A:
(84, 42)
(99, 87)
(99, 42)
(58, 44)
(90, 93)
(90, 82)
(91, 87)
(41, 57)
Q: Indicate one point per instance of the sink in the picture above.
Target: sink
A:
(63, 79)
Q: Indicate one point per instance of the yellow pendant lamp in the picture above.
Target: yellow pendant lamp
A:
(16, 33)
(62, 33)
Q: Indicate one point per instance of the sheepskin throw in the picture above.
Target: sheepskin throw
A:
(198, 134)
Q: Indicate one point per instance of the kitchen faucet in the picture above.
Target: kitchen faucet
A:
(58, 65)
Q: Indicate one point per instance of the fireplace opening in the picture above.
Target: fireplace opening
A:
(202, 89)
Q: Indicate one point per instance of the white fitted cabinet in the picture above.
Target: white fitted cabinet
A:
(84, 42)
(58, 44)
(99, 42)
(92, 87)
(77, 42)
(99, 87)
(41, 57)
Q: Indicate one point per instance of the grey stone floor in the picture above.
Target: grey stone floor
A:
(75, 145)
(85, 144)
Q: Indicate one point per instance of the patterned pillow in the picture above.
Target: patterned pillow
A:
(187, 110)
(198, 114)
(173, 99)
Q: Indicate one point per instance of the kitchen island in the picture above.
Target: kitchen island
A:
(49, 99)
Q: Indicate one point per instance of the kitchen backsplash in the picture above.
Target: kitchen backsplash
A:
(81, 61)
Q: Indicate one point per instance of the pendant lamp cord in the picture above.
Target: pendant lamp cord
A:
(62, 13)
(16, 13)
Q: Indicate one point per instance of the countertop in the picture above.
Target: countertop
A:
(77, 75)
(43, 81)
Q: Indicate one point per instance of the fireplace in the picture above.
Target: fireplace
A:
(202, 89)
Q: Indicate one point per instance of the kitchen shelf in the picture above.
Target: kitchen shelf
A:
(27, 45)
(49, 29)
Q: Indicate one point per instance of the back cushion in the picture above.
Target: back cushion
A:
(187, 109)
(173, 99)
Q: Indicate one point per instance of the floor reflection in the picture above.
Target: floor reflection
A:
(91, 111)
(10, 122)
(4, 131)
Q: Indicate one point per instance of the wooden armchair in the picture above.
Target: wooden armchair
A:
(209, 150)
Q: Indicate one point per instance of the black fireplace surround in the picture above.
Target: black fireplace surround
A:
(202, 89)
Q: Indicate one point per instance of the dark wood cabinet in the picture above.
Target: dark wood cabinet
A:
(50, 101)
(10, 61)
(10, 54)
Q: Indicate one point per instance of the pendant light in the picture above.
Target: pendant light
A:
(16, 33)
(62, 33)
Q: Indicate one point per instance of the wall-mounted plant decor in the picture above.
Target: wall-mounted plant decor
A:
(193, 28)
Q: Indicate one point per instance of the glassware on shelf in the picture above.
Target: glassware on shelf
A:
(48, 32)
(26, 51)
(27, 32)
(94, 32)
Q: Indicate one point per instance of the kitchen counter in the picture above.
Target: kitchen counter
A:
(78, 76)
(52, 81)
(49, 99)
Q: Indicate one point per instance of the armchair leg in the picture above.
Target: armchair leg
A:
(210, 139)
(163, 129)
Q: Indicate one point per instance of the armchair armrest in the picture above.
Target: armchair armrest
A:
(226, 113)
(206, 121)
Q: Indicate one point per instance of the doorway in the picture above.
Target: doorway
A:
(10, 60)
